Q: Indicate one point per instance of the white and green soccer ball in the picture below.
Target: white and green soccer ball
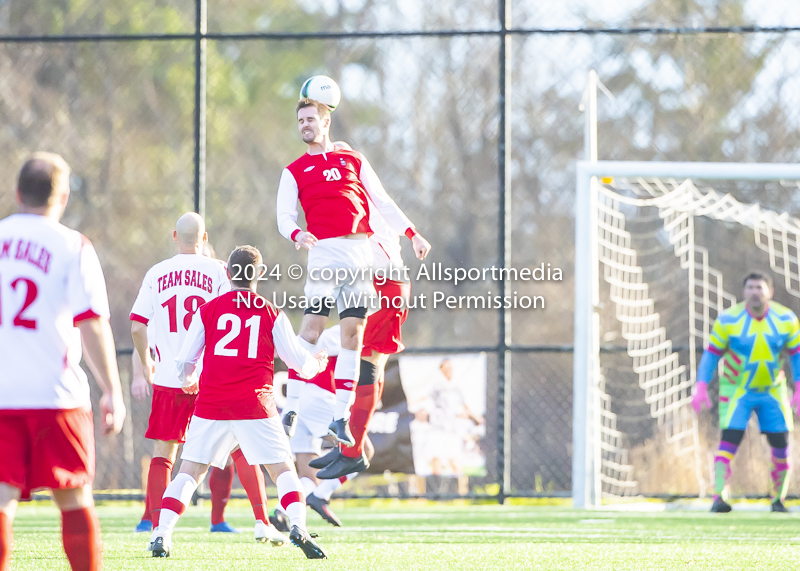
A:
(323, 89)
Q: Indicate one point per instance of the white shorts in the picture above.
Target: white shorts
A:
(331, 254)
(262, 440)
(316, 413)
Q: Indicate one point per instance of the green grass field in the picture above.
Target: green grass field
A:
(388, 537)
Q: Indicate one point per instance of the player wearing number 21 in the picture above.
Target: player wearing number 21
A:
(171, 292)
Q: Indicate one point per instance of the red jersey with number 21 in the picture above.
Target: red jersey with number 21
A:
(239, 358)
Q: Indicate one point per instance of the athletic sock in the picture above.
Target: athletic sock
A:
(293, 501)
(722, 466)
(325, 488)
(158, 478)
(220, 484)
(176, 498)
(345, 378)
(360, 414)
(6, 541)
(779, 470)
(294, 384)
(308, 485)
(80, 530)
(252, 479)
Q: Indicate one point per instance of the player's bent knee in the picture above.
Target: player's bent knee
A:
(275, 470)
(194, 469)
(778, 439)
(732, 435)
(73, 498)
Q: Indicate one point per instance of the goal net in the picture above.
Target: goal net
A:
(661, 249)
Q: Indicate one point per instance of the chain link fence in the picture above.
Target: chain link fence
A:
(111, 86)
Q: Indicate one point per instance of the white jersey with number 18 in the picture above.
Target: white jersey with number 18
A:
(50, 280)
(171, 292)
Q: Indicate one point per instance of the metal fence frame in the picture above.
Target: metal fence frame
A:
(504, 32)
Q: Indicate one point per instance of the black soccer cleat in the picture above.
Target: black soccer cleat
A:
(341, 431)
(279, 520)
(159, 549)
(777, 506)
(323, 508)
(289, 421)
(323, 461)
(343, 466)
(720, 506)
(301, 539)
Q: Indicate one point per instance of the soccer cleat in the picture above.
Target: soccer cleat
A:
(343, 466)
(223, 527)
(720, 506)
(323, 461)
(323, 508)
(265, 533)
(301, 539)
(777, 506)
(279, 520)
(160, 547)
(289, 421)
(341, 431)
(144, 525)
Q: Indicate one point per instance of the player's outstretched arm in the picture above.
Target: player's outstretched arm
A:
(192, 348)
(292, 353)
(100, 354)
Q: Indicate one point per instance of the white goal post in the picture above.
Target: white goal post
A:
(600, 238)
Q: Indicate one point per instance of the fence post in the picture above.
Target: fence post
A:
(200, 70)
(504, 259)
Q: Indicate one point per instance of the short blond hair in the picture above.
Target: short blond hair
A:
(321, 108)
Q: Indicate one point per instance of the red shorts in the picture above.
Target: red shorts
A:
(382, 333)
(170, 415)
(46, 448)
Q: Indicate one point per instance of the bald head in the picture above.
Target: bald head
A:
(43, 180)
(190, 232)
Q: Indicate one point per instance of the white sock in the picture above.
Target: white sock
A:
(176, 497)
(292, 499)
(294, 387)
(345, 376)
(308, 485)
(325, 488)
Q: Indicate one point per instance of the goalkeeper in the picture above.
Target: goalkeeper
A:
(750, 338)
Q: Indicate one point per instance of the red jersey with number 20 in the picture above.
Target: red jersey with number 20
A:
(240, 343)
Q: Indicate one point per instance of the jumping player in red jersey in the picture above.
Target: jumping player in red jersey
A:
(382, 338)
(335, 187)
(53, 297)
(240, 333)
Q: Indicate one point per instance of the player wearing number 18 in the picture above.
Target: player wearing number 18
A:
(171, 292)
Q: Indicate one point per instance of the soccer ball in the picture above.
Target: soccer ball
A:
(323, 89)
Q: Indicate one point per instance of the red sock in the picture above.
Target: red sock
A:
(6, 542)
(360, 415)
(80, 530)
(220, 483)
(252, 479)
(158, 479)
